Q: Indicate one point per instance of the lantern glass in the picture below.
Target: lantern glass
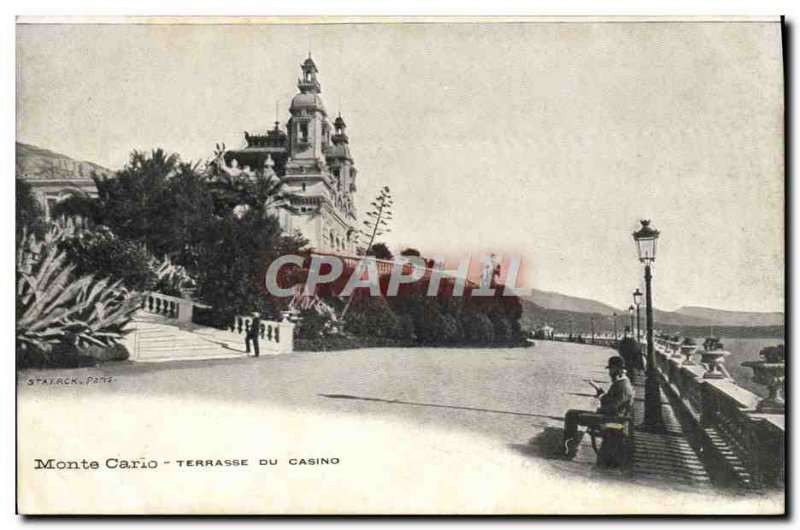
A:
(637, 297)
(647, 248)
(646, 238)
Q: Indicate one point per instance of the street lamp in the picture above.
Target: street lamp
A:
(591, 320)
(637, 301)
(614, 316)
(646, 238)
(630, 312)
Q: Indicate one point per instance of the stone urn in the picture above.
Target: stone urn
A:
(770, 372)
(714, 361)
(687, 350)
(771, 375)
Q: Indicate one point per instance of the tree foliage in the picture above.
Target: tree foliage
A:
(30, 216)
(380, 251)
(377, 222)
(101, 253)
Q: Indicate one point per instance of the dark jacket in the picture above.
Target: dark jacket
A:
(255, 329)
(630, 350)
(618, 400)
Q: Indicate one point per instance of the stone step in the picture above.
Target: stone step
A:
(203, 356)
(155, 338)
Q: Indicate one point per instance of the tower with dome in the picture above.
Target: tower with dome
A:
(312, 156)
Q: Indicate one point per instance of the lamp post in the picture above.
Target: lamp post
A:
(614, 316)
(630, 312)
(646, 238)
(591, 320)
(570, 329)
(637, 301)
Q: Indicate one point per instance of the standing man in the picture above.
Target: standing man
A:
(631, 351)
(615, 404)
(253, 333)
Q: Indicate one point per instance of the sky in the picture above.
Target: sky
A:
(547, 140)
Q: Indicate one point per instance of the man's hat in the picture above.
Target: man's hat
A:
(616, 362)
(255, 314)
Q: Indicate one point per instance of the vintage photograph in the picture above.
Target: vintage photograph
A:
(400, 266)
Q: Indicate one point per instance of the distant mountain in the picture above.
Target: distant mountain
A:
(559, 310)
(37, 164)
(732, 318)
(562, 302)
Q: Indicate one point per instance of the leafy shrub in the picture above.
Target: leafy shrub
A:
(30, 216)
(346, 342)
(313, 325)
(116, 352)
(403, 329)
(503, 332)
(370, 316)
(78, 204)
(170, 278)
(478, 328)
(450, 330)
(99, 252)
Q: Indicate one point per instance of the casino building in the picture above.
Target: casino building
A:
(313, 157)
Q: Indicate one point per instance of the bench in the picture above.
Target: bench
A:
(616, 449)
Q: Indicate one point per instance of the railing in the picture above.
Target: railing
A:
(278, 337)
(599, 339)
(740, 445)
(171, 307)
(383, 266)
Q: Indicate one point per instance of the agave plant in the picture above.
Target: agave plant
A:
(55, 308)
(171, 278)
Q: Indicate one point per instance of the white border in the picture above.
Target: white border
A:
(35, 10)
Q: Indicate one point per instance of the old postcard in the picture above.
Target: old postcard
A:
(400, 266)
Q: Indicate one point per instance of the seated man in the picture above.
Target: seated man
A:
(615, 404)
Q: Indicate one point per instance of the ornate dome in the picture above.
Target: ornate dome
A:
(339, 122)
(307, 100)
(338, 151)
(309, 63)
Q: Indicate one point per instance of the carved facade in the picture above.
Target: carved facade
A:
(313, 157)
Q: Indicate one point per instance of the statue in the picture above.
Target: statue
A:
(231, 170)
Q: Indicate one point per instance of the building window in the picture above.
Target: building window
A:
(304, 186)
(304, 132)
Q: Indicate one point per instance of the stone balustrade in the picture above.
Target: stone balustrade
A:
(275, 337)
(171, 307)
(741, 445)
(600, 339)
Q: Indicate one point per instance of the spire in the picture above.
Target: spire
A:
(309, 83)
(339, 126)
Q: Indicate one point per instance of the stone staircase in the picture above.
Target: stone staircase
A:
(155, 338)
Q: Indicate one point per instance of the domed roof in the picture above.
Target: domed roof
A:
(309, 63)
(338, 151)
(307, 100)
